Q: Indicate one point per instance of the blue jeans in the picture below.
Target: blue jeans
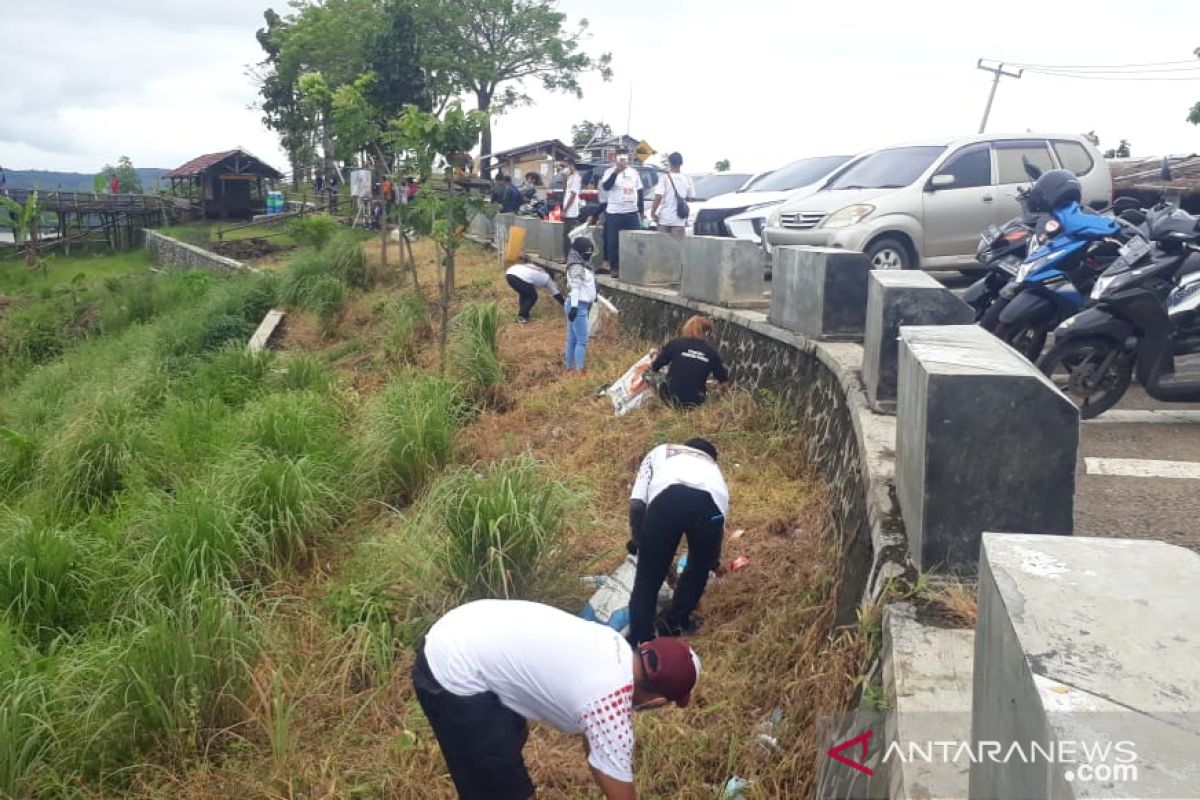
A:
(577, 336)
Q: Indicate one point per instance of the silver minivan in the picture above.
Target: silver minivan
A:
(924, 204)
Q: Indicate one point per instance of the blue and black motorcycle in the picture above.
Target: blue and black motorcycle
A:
(1056, 277)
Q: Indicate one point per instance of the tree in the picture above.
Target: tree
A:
(490, 47)
(430, 143)
(722, 165)
(131, 182)
(1120, 151)
(587, 130)
(1093, 138)
(26, 222)
(393, 56)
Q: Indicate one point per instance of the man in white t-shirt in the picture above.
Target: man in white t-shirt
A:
(572, 203)
(673, 186)
(623, 211)
(487, 667)
(679, 492)
(525, 280)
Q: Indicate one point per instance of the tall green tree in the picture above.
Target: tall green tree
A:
(490, 48)
(131, 182)
(278, 78)
(1120, 151)
(585, 131)
(721, 166)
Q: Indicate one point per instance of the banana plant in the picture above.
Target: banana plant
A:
(25, 221)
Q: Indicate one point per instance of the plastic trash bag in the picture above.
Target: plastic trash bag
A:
(632, 390)
(601, 318)
(610, 603)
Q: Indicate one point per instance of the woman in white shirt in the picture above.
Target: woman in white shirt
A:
(581, 285)
(525, 280)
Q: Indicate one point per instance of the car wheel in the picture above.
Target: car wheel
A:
(889, 254)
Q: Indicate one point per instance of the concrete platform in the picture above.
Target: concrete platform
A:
(1086, 641)
(927, 676)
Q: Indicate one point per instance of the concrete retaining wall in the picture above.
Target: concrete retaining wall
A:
(174, 254)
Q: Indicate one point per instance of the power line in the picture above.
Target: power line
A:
(1094, 77)
(1098, 66)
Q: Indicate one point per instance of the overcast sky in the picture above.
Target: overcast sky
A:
(759, 82)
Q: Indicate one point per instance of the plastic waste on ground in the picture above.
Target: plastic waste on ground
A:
(602, 316)
(734, 788)
(609, 605)
(631, 390)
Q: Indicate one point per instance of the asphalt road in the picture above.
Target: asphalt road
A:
(1116, 493)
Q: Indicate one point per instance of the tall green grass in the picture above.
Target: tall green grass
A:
(406, 434)
(406, 327)
(474, 347)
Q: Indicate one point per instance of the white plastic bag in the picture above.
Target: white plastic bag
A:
(631, 390)
(610, 604)
(598, 316)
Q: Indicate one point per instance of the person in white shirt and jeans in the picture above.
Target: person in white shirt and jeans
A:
(581, 286)
(679, 492)
(572, 203)
(623, 211)
(487, 667)
(673, 186)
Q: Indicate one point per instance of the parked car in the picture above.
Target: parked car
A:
(764, 192)
(714, 185)
(924, 204)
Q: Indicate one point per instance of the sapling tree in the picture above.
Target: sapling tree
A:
(25, 221)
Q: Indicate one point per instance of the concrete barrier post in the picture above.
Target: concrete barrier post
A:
(550, 240)
(726, 272)
(984, 441)
(650, 258)
(481, 226)
(896, 298)
(820, 292)
(1081, 644)
(501, 224)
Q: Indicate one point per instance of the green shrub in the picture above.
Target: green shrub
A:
(232, 374)
(25, 735)
(301, 372)
(406, 434)
(18, 458)
(312, 230)
(45, 577)
(348, 260)
(294, 425)
(326, 297)
(473, 349)
(407, 324)
(194, 540)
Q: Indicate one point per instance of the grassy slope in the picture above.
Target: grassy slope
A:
(63, 270)
(315, 730)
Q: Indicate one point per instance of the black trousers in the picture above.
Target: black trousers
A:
(676, 512)
(613, 225)
(526, 294)
(480, 738)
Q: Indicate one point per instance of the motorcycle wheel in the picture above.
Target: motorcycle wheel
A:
(1073, 367)
(990, 320)
(1028, 340)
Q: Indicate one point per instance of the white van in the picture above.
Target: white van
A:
(763, 193)
(924, 204)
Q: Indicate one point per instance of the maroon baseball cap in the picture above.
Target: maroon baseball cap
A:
(671, 667)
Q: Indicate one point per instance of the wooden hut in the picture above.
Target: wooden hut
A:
(228, 185)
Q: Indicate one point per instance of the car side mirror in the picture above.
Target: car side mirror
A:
(943, 181)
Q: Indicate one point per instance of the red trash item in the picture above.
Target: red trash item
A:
(738, 563)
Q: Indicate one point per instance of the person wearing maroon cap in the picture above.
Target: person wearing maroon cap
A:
(487, 667)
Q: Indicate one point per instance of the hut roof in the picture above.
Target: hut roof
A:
(243, 163)
(1145, 174)
(557, 148)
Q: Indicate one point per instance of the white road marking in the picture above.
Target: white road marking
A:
(1154, 417)
(1142, 468)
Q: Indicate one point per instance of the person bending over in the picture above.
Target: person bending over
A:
(525, 280)
(679, 492)
(487, 667)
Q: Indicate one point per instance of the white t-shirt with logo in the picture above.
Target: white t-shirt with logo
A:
(546, 665)
(535, 276)
(622, 197)
(666, 189)
(671, 464)
(574, 187)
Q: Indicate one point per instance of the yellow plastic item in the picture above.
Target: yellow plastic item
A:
(516, 244)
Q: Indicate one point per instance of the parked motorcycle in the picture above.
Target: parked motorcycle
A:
(1001, 249)
(1145, 314)
(1051, 284)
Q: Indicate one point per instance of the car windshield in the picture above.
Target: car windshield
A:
(798, 174)
(709, 186)
(888, 169)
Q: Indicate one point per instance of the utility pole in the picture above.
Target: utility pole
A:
(999, 72)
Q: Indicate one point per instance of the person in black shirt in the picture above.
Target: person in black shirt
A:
(690, 360)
